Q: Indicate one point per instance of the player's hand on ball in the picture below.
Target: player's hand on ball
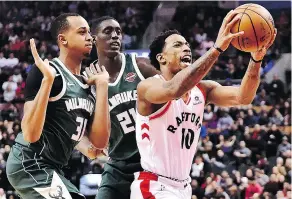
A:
(96, 74)
(259, 55)
(48, 71)
(224, 35)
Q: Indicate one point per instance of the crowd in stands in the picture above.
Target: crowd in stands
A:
(244, 152)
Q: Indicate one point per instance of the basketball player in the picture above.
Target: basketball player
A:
(125, 73)
(170, 110)
(59, 110)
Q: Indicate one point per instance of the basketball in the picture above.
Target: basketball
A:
(258, 26)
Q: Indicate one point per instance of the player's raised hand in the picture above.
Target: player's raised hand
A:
(224, 35)
(96, 74)
(260, 54)
(48, 71)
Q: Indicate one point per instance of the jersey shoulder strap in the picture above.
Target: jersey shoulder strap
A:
(131, 59)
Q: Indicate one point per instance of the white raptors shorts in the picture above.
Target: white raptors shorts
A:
(150, 186)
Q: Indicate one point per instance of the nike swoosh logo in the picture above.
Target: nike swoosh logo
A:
(58, 75)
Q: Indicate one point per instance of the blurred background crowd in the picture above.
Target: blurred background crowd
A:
(244, 152)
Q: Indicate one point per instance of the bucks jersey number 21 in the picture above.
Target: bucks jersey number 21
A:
(127, 120)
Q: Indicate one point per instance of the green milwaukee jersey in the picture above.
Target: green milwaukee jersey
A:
(67, 117)
(122, 107)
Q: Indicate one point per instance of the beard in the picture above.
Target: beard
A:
(86, 55)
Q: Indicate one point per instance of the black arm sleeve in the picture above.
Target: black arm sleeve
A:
(33, 83)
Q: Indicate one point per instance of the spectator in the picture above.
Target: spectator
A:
(272, 186)
(277, 88)
(261, 178)
(13, 37)
(17, 45)
(252, 188)
(197, 167)
(280, 166)
(284, 110)
(225, 121)
(227, 145)
(9, 89)
(273, 138)
(242, 154)
(264, 119)
(262, 98)
(253, 142)
(3, 60)
(127, 41)
(275, 117)
(231, 69)
(284, 146)
(17, 77)
(2, 194)
(221, 160)
(208, 114)
(12, 61)
(196, 190)
(250, 119)
(231, 189)
(220, 193)
(205, 145)
(200, 36)
(6, 51)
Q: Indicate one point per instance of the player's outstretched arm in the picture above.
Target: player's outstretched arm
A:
(158, 92)
(245, 93)
(35, 111)
(100, 128)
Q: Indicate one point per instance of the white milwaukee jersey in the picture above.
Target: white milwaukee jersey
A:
(167, 139)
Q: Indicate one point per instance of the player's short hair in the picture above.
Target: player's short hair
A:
(157, 45)
(61, 24)
(96, 22)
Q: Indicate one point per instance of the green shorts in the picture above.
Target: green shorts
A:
(33, 177)
(117, 179)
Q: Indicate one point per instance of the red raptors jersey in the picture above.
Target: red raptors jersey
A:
(167, 139)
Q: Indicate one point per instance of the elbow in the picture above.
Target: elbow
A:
(29, 134)
(245, 100)
(100, 142)
(30, 137)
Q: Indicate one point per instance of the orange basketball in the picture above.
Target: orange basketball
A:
(258, 26)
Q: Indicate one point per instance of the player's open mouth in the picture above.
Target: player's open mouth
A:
(115, 44)
(89, 45)
(187, 59)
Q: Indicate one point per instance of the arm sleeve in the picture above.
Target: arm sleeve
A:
(33, 83)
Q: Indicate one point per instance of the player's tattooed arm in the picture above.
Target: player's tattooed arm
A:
(194, 74)
(35, 111)
(154, 91)
(201, 67)
(245, 93)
